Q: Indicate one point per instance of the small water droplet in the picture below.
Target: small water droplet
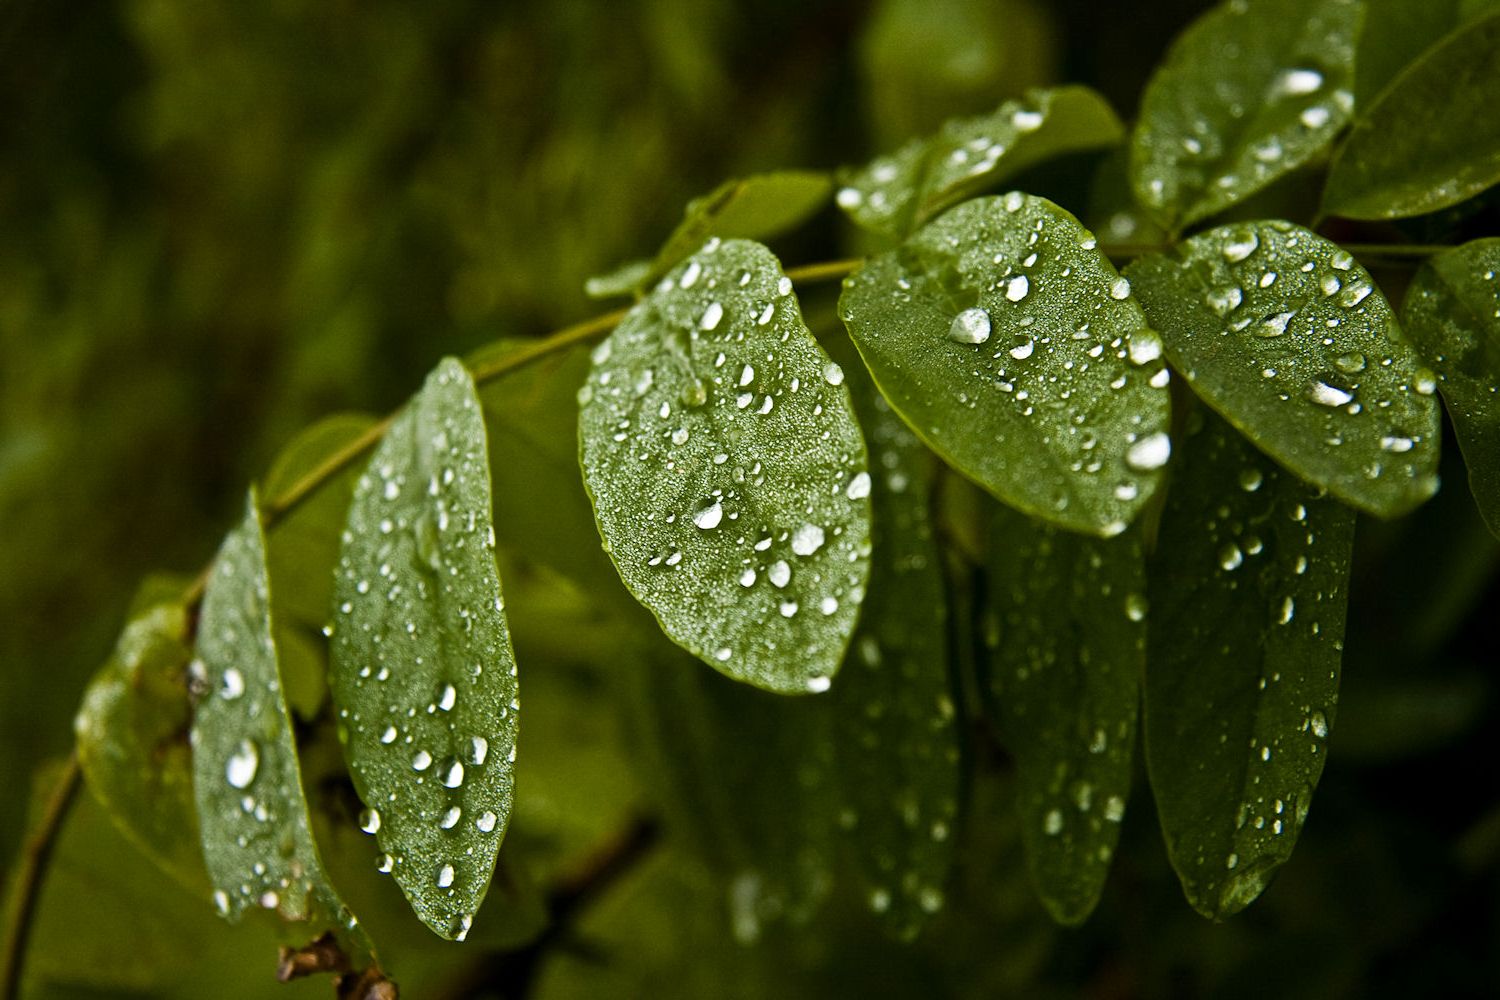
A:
(1230, 556)
(369, 820)
(1136, 607)
(817, 685)
(859, 486)
(711, 316)
(1120, 289)
(445, 876)
(779, 573)
(807, 539)
(709, 517)
(1319, 725)
(451, 817)
(453, 773)
(242, 764)
(234, 684)
(833, 374)
(1327, 395)
(1149, 452)
(486, 822)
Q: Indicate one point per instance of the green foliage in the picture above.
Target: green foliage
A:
(1069, 630)
(1428, 140)
(985, 511)
(1452, 312)
(1242, 666)
(1253, 90)
(247, 782)
(1285, 335)
(1013, 347)
(728, 472)
(422, 673)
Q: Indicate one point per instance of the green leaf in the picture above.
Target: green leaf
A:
(1431, 139)
(1249, 92)
(727, 471)
(423, 675)
(1247, 594)
(257, 837)
(1013, 348)
(894, 194)
(132, 740)
(1067, 650)
(1285, 335)
(1452, 313)
(757, 207)
(890, 777)
(1395, 33)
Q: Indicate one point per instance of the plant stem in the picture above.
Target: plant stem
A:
(30, 873)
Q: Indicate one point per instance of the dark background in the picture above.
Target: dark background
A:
(219, 221)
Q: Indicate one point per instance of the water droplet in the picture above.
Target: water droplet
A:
(1250, 479)
(445, 876)
(1397, 443)
(1326, 395)
(1145, 346)
(453, 773)
(1120, 289)
(828, 605)
(1149, 452)
(972, 326)
(1052, 824)
(833, 374)
(479, 749)
(1114, 809)
(234, 684)
(690, 275)
(859, 486)
(242, 764)
(807, 539)
(1230, 556)
(1023, 351)
(1294, 82)
(369, 820)
(1243, 246)
(779, 573)
(421, 760)
(1275, 326)
(486, 822)
(1224, 301)
(723, 653)
(1017, 287)
(1136, 607)
(1425, 382)
(711, 316)
(709, 517)
(817, 685)
(1288, 609)
(1319, 724)
(447, 697)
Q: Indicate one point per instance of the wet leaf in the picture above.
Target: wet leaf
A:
(132, 740)
(423, 675)
(757, 207)
(728, 473)
(1431, 139)
(1284, 334)
(1247, 595)
(1452, 313)
(1014, 349)
(1249, 92)
(895, 194)
(1067, 650)
(257, 837)
(891, 780)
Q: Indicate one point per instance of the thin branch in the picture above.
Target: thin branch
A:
(30, 875)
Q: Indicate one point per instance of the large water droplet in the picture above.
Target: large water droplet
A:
(807, 539)
(972, 326)
(242, 764)
(710, 516)
(1149, 452)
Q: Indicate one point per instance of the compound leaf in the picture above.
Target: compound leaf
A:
(257, 836)
(1452, 313)
(1067, 649)
(131, 730)
(1284, 334)
(1431, 139)
(894, 194)
(1249, 92)
(727, 471)
(1247, 594)
(1012, 347)
(423, 675)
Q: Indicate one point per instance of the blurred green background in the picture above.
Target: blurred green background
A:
(224, 220)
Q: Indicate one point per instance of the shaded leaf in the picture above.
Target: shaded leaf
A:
(1250, 91)
(891, 779)
(1394, 34)
(257, 837)
(1431, 139)
(1287, 336)
(1011, 345)
(727, 471)
(1067, 650)
(895, 194)
(132, 740)
(1247, 593)
(756, 207)
(1452, 313)
(423, 674)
